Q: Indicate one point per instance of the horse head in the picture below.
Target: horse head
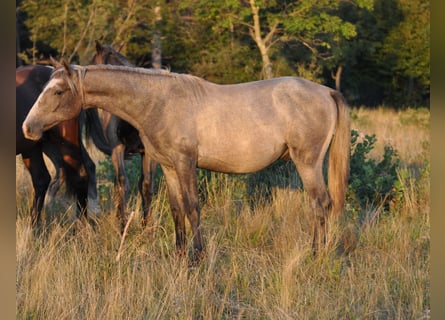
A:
(61, 99)
(106, 54)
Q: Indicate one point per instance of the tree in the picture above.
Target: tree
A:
(263, 43)
(375, 51)
(71, 27)
(320, 28)
(407, 50)
(206, 39)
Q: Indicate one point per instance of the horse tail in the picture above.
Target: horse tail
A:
(339, 156)
(94, 132)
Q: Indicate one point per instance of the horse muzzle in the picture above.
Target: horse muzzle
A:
(31, 133)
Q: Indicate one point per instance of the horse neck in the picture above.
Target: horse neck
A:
(106, 91)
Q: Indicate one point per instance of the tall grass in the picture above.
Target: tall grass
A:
(258, 262)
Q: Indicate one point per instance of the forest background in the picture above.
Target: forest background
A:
(377, 52)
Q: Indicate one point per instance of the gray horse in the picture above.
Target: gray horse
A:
(186, 122)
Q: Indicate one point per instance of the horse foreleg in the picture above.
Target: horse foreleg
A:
(55, 184)
(146, 185)
(40, 181)
(176, 207)
(54, 154)
(82, 192)
(183, 194)
(121, 183)
(90, 167)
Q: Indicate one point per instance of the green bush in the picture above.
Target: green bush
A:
(371, 183)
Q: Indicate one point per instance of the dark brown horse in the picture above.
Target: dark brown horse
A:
(62, 144)
(118, 139)
(185, 122)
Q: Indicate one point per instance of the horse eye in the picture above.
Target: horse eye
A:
(59, 92)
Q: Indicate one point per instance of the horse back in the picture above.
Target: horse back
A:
(243, 128)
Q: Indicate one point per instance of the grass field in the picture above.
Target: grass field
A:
(258, 263)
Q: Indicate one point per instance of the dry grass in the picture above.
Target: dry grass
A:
(258, 263)
(407, 131)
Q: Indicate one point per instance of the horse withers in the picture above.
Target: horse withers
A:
(185, 122)
(62, 144)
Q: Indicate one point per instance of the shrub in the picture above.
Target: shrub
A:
(371, 183)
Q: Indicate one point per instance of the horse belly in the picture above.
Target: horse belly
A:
(240, 157)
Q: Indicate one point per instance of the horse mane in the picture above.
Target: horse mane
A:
(189, 82)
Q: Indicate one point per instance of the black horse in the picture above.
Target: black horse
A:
(62, 144)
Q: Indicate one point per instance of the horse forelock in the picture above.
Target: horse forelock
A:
(62, 74)
(80, 72)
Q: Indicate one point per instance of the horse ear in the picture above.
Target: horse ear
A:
(56, 64)
(99, 47)
(67, 67)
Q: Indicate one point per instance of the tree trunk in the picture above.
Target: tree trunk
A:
(337, 78)
(261, 43)
(156, 50)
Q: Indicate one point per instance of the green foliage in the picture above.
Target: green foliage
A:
(406, 51)
(383, 46)
(371, 183)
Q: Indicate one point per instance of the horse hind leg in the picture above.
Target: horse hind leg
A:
(311, 173)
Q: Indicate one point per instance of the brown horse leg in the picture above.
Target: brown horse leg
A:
(76, 179)
(54, 154)
(146, 185)
(183, 193)
(121, 183)
(40, 180)
(82, 192)
(313, 182)
(90, 167)
(55, 184)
